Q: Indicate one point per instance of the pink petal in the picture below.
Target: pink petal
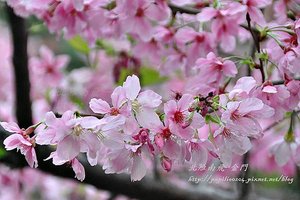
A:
(11, 127)
(238, 145)
(159, 141)
(118, 97)
(171, 149)
(90, 122)
(149, 99)
(15, 141)
(186, 34)
(30, 157)
(46, 136)
(228, 43)
(46, 54)
(99, 106)
(170, 107)
(246, 83)
(113, 122)
(68, 148)
(184, 102)
(198, 121)
(229, 68)
(50, 119)
(138, 170)
(256, 15)
(282, 153)
(78, 169)
(132, 87)
(199, 157)
(147, 118)
(207, 14)
(250, 104)
(270, 89)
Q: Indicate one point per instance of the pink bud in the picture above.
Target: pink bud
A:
(166, 163)
(29, 130)
(159, 141)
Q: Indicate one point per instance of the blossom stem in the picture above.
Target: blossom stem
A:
(257, 45)
(290, 137)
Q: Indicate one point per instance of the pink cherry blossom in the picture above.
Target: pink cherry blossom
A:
(47, 69)
(283, 151)
(199, 43)
(244, 115)
(119, 106)
(229, 140)
(213, 67)
(142, 104)
(137, 15)
(179, 117)
(225, 26)
(253, 8)
(71, 138)
(20, 141)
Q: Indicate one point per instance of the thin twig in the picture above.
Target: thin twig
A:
(257, 45)
(280, 82)
(187, 10)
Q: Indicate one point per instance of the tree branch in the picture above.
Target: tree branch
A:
(280, 82)
(21, 73)
(255, 37)
(187, 10)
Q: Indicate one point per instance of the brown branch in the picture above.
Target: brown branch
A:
(256, 39)
(280, 82)
(20, 62)
(187, 10)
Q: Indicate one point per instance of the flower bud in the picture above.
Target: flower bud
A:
(166, 163)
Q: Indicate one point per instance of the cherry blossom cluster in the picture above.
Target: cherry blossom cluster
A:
(215, 110)
(165, 40)
(130, 131)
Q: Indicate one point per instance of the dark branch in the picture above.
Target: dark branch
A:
(256, 40)
(187, 10)
(280, 82)
(20, 62)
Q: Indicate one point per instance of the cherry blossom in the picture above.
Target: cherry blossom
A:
(21, 140)
(206, 101)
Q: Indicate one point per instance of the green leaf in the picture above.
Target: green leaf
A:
(123, 75)
(37, 28)
(264, 56)
(150, 76)
(209, 118)
(77, 101)
(79, 44)
(108, 48)
(2, 152)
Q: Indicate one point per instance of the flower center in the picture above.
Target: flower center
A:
(199, 38)
(140, 12)
(135, 106)
(166, 133)
(77, 130)
(178, 117)
(235, 116)
(226, 132)
(114, 111)
(142, 136)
